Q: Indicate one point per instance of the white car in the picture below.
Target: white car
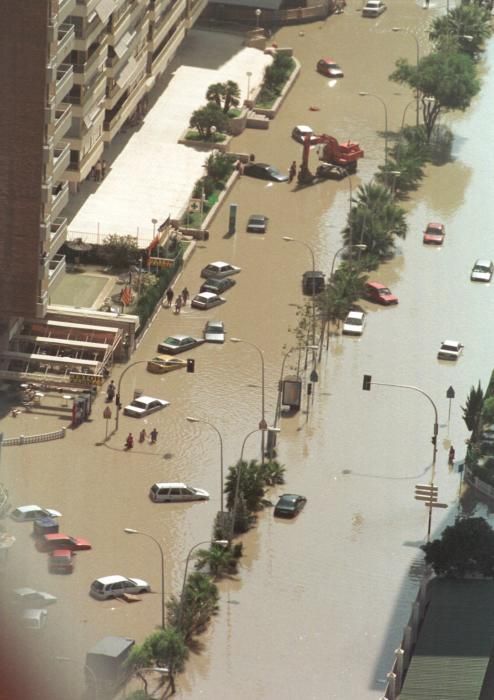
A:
(219, 269)
(28, 596)
(206, 300)
(450, 350)
(144, 405)
(24, 514)
(115, 586)
(373, 8)
(300, 131)
(482, 271)
(354, 323)
(214, 332)
(34, 618)
(162, 492)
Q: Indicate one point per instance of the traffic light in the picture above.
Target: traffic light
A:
(367, 382)
(309, 389)
(191, 365)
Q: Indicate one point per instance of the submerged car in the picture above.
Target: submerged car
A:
(289, 505)
(263, 171)
(219, 269)
(482, 271)
(32, 598)
(450, 350)
(373, 8)
(115, 586)
(61, 561)
(163, 364)
(206, 300)
(257, 223)
(214, 332)
(34, 619)
(380, 294)
(217, 285)
(434, 233)
(144, 405)
(29, 513)
(179, 343)
(354, 323)
(50, 542)
(301, 131)
(328, 67)
(163, 492)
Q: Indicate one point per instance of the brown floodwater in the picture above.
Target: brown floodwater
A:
(319, 603)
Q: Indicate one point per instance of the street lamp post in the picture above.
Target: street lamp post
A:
(417, 91)
(262, 425)
(258, 16)
(249, 76)
(367, 385)
(221, 543)
(358, 246)
(371, 94)
(132, 531)
(211, 425)
(289, 239)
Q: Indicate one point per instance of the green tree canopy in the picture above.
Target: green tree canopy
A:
(472, 410)
(446, 81)
(464, 29)
(224, 95)
(465, 548)
(120, 251)
(204, 118)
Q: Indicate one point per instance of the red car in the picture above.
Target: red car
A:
(434, 233)
(61, 561)
(57, 540)
(379, 293)
(328, 67)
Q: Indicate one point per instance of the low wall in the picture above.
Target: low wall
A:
(224, 14)
(31, 439)
(271, 112)
(479, 485)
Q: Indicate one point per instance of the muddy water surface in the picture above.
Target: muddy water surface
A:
(320, 603)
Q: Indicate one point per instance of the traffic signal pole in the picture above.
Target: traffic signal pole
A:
(366, 386)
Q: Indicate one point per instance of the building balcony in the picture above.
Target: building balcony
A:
(84, 72)
(65, 80)
(50, 111)
(156, 7)
(42, 305)
(58, 233)
(78, 172)
(162, 58)
(195, 11)
(46, 191)
(115, 120)
(48, 152)
(56, 271)
(66, 37)
(62, 122)
(91, 34)
(87, 7)
(175, 12)
(119, 26)
(65, 8)
(60, 198)
(61, 160)
(51, 70)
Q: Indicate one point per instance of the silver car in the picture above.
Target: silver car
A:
(144, 405)
(482, 271)
(214, 332)
(219, 269)
(206, 300)
(115, 586)
(450, 350)
(373, 8)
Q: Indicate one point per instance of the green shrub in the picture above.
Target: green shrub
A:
(488, 410)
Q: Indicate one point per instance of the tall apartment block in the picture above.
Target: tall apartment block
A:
(73, 72)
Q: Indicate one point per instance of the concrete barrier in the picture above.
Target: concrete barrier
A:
(31, 439)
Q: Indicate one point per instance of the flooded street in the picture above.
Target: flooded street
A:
(319, 604)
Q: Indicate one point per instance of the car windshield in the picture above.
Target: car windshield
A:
(384, 292)
(212, 328)
(354, 321)
(434, 229)
(138, 404)
(172, 341)
(481, 268)
(272, 171)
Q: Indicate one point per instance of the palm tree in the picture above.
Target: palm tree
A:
(215, 93)
(221, 561)
(231, 95)
(450, 32)
(199, 604)
(168, 649)
(472, 411)
(273, 473)
(251, 485)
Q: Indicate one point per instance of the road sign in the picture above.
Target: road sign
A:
(426, 498)
(426, 487)
(436, 505)
(107, 413)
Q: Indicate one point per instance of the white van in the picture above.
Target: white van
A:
(169, 492)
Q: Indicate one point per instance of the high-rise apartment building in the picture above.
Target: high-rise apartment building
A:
(73, 72)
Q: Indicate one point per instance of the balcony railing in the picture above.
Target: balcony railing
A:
(56, 271)
(66, 36)
(60, 199)
(65, 8)
(61, 159)
(63, 120)
(58, 232)
(65, 80)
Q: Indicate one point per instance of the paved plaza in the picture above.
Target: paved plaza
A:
(152, 176)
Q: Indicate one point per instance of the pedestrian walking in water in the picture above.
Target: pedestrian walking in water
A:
(153, 436)
(292, 172)
(129, 443)
(178, 304)
(169, 296)
(110, 392)
(451, 455)
(185, 295)
(142, 435)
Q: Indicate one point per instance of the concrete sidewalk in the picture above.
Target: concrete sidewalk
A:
(152, 176)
